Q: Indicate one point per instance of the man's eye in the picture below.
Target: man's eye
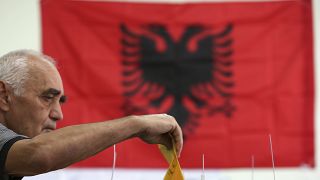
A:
(47, 98)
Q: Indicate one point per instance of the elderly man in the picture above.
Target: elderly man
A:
(31, 94)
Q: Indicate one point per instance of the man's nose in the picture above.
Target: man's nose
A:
(56, 112)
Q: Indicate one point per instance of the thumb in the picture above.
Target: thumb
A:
(166, 140)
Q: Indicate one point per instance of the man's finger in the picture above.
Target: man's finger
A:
(178, 139)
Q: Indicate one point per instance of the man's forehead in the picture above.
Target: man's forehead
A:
(45, 78)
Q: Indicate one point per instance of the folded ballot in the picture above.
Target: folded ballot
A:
(174, 171)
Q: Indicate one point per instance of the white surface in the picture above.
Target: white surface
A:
(158, 174)
(20, 28)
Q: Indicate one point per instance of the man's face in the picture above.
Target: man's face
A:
(39, 108)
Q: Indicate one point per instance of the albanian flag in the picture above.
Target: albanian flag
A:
(230, 73)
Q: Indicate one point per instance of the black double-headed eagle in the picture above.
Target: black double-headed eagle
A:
(195, 71)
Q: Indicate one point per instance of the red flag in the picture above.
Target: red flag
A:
(231, 74)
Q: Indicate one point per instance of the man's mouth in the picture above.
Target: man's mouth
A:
(48, 129)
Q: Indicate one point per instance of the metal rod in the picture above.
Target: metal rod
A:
(252, 167)
(274, 172)
(114, 161)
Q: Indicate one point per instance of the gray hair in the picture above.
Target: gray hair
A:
(14, 68)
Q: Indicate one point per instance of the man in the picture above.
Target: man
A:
(31, 94)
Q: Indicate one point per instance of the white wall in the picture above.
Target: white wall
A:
(20, 29)
(19, 25)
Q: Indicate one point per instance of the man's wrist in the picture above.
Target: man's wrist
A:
(137, 124)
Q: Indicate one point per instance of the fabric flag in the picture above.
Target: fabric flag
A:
(231, 73)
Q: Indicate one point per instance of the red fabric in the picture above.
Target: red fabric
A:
(272, 68)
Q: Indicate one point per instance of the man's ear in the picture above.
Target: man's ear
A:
(4, 97)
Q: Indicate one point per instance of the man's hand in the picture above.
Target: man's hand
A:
(161, 129)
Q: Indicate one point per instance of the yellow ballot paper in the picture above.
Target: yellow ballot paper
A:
(174, 171)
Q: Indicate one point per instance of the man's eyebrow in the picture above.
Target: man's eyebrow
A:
(63, 99)
(52, 91)
(55, 92)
